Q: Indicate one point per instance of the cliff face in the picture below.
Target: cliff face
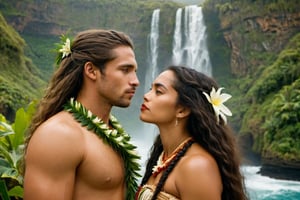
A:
(20, 80)
(41, 18)
(41, 23)
(262, 41)
(248, 44)
(272, 33)
(51, 18)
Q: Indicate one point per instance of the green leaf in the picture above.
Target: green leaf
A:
(5, 129)
(10, 173)
(16, 191)
(3, 190)
(6, 155)
(4, 165)
(20, 126)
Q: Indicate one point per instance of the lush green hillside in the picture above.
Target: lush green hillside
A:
(20, 80)
(254, 49)
(274, 113)
(260, 40)
(42, 22)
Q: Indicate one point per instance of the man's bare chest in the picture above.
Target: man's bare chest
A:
(101, 165)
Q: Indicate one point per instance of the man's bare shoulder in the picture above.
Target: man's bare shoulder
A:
(61, 126)
(54, 152)
(60, 134)
(62, 122)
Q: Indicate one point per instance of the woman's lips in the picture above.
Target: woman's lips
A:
(144, 107)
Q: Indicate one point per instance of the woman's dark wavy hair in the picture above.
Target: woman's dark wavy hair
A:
(96, 46)
(216, 138)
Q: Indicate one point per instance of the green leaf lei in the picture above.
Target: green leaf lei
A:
(117, 138)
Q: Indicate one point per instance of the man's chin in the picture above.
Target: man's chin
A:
(123, 105)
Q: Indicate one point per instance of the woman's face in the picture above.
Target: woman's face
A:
(160, 103)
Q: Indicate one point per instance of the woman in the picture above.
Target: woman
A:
(195, 156)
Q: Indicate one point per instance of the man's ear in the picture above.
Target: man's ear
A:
(90, 70)
(183, 112)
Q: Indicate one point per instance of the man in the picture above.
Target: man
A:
(68, 154)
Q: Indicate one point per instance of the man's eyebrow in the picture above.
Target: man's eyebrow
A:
(129, 66)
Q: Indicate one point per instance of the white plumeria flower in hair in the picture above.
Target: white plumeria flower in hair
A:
(217, 99)
(66, 48)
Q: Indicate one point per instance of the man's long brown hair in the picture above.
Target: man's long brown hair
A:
(94, 46)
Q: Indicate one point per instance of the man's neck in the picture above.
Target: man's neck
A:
(101, 110)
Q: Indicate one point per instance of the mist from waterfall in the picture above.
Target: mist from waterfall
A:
(189, 49)
(189, 41)
(153, 50)
(149, 130)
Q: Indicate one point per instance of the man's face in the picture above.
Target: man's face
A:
(119, 80)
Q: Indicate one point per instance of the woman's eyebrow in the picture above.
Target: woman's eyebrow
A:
(157, 85)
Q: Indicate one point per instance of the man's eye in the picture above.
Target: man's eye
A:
(125, 69)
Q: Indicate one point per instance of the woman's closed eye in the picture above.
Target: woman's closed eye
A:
(158, 92)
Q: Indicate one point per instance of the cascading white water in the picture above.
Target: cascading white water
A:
(146, 139)
(153, 45)
(177, 40)
(189, 49)
(259, 187)
(189, 42)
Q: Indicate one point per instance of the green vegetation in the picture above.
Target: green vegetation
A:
(273, 116)
(264, 80)
(243, 22)
(282, 125)
(40, 49)
(52, 18)
(20, 80)
(11, 150)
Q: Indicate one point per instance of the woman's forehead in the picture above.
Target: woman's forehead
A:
(166, 77)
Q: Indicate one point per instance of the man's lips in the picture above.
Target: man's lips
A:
(131, 92)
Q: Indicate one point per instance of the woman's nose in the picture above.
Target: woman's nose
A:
(146, 96)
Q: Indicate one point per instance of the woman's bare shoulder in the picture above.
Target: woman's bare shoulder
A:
(197, 175)
(198, 172)
(198, 160)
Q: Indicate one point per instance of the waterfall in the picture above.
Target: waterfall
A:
(189, 49)
(149, 130)
(177, 40)
(153, 45)
(189, 42)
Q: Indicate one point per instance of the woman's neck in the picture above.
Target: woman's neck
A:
(172, 138)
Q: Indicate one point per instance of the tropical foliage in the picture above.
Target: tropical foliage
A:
(11, 150)
(281, 128)
(273, 116)
(20, 80)
(266, 96)
(266, 93)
